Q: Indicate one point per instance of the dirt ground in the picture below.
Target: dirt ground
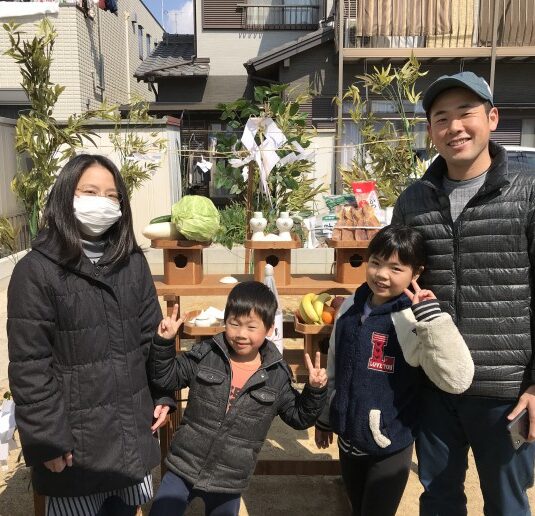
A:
(267, 495)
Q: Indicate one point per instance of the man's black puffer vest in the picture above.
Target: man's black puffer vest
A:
(481, 267)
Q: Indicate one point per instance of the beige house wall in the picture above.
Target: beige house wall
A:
(77, 53)
(115, 36)
(229, 49)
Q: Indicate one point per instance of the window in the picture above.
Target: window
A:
(149, 49)
(528, 132)
(140, 41)
(524, 155)
(384, 110)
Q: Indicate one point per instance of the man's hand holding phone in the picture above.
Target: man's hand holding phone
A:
(524, 422)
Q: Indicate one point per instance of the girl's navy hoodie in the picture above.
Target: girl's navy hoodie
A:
(371, 376)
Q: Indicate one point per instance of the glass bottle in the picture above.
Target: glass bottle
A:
(269, 281)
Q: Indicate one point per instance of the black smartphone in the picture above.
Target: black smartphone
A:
(518, 429)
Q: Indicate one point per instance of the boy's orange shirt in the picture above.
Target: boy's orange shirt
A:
(241, 372)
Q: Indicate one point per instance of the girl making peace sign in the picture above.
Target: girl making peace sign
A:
(381, 335)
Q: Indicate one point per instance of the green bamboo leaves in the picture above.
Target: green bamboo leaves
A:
(38, 134)
(388, 151)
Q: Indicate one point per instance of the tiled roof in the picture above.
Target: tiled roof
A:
(173, 57)
(277, 54)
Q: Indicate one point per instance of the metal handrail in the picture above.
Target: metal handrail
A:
(280, 17)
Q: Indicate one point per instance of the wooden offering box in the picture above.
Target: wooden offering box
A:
(312, 329)
(182, 261)
(276, 253)
(351, 257)
(313, 334)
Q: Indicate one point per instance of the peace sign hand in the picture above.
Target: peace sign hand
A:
(169, 326)
(317, 376)
(418, 295)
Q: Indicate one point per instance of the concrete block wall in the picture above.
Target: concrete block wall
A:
(220, 260)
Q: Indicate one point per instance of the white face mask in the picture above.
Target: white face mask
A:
(95, 214)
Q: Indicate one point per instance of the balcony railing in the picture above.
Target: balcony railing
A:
(297, 15)
(438, 24)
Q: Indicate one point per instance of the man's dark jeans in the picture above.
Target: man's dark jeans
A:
(450, 425)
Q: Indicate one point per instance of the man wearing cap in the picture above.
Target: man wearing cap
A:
(477, 213)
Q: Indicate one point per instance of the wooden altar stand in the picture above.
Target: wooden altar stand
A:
(347, 277)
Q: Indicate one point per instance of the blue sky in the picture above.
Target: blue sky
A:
(177, 14)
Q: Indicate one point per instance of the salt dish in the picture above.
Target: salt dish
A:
(203, 321)
(228, 279)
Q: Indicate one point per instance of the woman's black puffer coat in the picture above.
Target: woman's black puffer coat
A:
(481, 267)
(79, 339)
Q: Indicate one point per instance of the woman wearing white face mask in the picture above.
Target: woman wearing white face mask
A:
(82, 310)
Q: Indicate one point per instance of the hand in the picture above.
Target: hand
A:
(526, 401)
(317, 376)
(169, 326)
(160, 413)
(58, 464)
(323, 439)
(419, 295)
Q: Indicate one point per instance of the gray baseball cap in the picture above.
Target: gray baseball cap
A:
(467, 80)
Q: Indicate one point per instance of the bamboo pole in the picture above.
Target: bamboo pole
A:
(248, 213)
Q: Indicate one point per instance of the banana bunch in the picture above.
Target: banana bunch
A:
(311, 307)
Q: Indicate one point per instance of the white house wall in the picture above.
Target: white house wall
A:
(65, 65)
(119, 46)
(323, 145)
(76, 55)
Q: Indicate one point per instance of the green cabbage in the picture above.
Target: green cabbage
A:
(196, 217)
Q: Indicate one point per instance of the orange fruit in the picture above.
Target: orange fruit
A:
(327, 316)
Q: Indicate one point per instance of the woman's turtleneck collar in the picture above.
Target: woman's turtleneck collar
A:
(93, 249)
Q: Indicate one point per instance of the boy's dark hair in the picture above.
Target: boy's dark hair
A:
(407, 242)
(251, 296)
(61, 223)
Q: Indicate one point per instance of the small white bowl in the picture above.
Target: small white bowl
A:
(203, 322)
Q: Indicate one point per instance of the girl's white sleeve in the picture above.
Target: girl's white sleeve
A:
(441, 350)
(405, 325)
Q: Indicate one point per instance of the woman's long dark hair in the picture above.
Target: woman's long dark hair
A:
(61, 224)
